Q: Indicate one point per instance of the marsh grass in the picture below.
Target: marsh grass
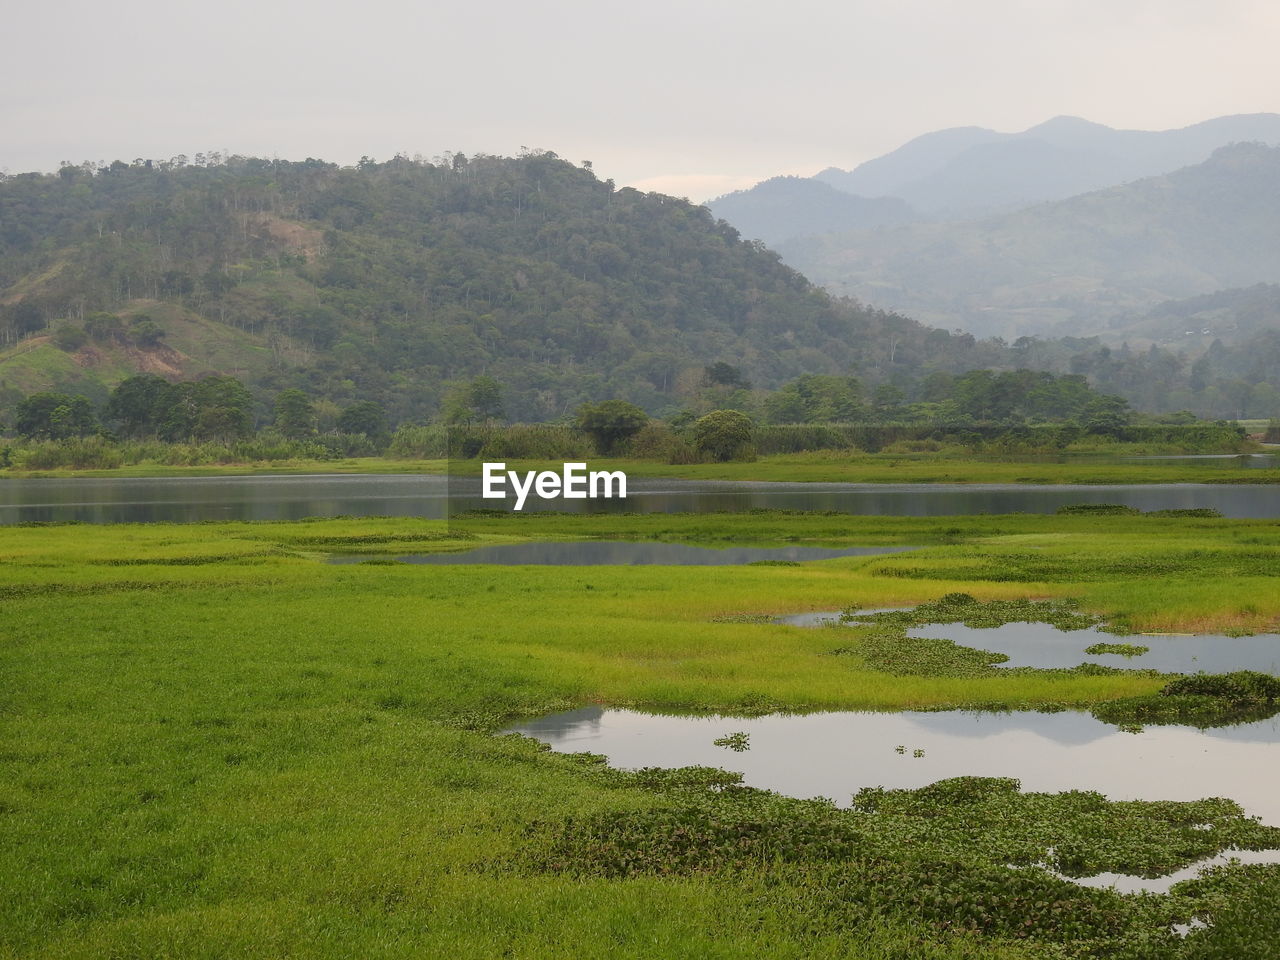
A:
(215, 744)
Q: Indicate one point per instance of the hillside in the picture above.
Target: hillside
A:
(784, 208)
(1074, 266)
(388, 280)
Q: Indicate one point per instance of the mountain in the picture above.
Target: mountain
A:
(969, 171)
(385, 281)
(1074, 266)
(783, 208)
(1231, 317)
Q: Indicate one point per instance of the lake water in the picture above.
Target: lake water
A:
(193, 499)
(834, 755)
(1045, 646)
(621, 553)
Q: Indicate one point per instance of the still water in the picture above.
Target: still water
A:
(834, 755)
(1045, 646)
(620, 553)
(193, 499)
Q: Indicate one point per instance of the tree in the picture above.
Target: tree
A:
(213, 408)
(364, 416)
(486, 398)
(721, 374)
(611, 423)
(55, 416)
(724, 434)
(140, 404)
(1106, 416)
(295, 416)
(477, 399)
(223, 409)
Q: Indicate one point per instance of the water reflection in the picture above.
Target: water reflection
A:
(621, 553)
(1044, 646)
(836, 754)
(193, 499)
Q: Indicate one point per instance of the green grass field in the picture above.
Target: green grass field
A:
(215, 744)
(823, 467)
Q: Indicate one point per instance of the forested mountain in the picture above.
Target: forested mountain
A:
(386, 281)
(1076, 265)
(787, 207)
(1233, 317)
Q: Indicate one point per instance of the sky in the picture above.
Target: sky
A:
(695, 97)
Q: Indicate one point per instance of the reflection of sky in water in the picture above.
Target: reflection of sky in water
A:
(1045, 646)
(189, 499)
(835, 754)
(615, 553)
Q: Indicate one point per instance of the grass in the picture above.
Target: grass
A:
(215, 744)
(822, 467)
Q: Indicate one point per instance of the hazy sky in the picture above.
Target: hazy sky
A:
(694, 97)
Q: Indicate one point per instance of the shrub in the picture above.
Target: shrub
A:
(724, 434)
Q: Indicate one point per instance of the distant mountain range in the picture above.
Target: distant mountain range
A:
(967, 172)
(1074, 266)
(784, 208)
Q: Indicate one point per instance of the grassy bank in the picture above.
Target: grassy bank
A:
(216, 744)
(825, 467)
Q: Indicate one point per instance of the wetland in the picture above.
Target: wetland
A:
(211, 730)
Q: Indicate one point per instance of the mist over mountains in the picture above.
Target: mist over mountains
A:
(967, 172)
(393, 281)
(1072, 266)
(1068, 228)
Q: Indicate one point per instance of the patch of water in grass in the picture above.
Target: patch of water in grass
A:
(1131, 883)
(836, 754)
(621, 553)
(1045, 646)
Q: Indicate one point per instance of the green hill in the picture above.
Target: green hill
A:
(388, 280)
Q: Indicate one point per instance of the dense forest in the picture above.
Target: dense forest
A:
(401, 282)
(388, 281)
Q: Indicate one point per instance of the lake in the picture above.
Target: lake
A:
(292, 497)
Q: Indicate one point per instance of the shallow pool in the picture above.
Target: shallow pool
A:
(834, 755)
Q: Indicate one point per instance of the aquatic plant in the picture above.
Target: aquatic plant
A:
(909, 854)
(1122, 649)
(1201, 700)
(737, 741)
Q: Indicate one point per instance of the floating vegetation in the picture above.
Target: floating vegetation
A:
(736, 741)
(910, 855)
(1203, 701)
(888, 648)
(1122, 649)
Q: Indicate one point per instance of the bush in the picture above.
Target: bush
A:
(91, 453)
(611, 423)
(724, 435)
